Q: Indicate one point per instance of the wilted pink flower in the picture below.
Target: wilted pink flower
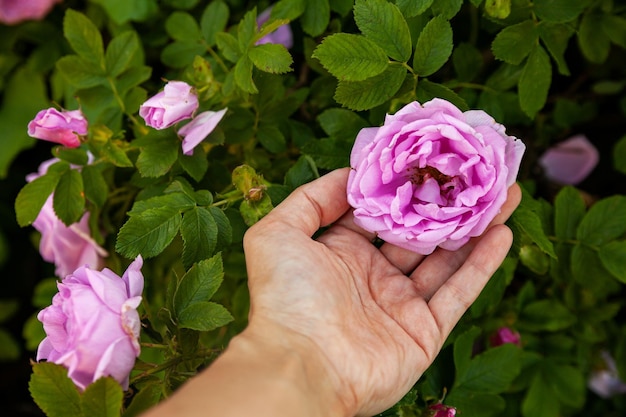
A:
(281, 35)
(92, 326)
(176, 102)
(441, 410)
(571, 161)
(68, 247)
(199, 128)
(606, 382)
(505, 335)
(63, 127)
(15, 11)
(431, 175)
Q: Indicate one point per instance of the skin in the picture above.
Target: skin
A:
(337, 326)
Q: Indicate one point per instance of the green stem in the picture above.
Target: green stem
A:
(217, 59)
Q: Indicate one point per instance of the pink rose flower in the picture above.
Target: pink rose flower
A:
(63, 127)
(92, 326)
(15, 11)
(282, 35)
(431, 175)
(606, 382)
(505, 335)
(571, 161)
(176, 102)
(199, 128)
(441, 410)
(68, 247)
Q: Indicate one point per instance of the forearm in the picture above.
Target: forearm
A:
(260, 378)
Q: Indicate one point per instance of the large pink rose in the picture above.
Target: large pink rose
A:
(432, 175)
(68, 247)
(63, 127)
(15, 11)
(92, 326)
(176, 102)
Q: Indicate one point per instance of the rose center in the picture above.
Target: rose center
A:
(419, 175)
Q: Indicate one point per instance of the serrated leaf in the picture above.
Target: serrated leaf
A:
(316, 17)
(271, 138)
(148, 233)
(329, 153)
(246, 30)
(229, 46)
(593, 41)
(513, 43)
(492, 371)
(243, 75)
(557, 11)
(80, 73)
(103, 398)
(182, 26)
(434, 47)
(341, 124)
(180, 54)
(288, 9)
(96, 188)
(475, 404)
(366, 94)
(540, 399)
(214, 19)
(204, 316)
(427, 90)
(463, 348)
(535, 82)
(176, 200)
(412, 8)
(383, 23)
(556, 39)
(195, 164)
(132, 77)
(224, 229)
(303, 171)
(76, 156)
(199, 233)
(605, 221)
(271, 57)
(467, 61)
(446, 8)
(567, 382)
(548, 314)
(530, 224)
(120, 52)
(158, 152)
(569, 209)
(199, 283)
(84, 37)
(109, 151)
(613, 257)
(69, 198)
(53, 391)
(351, 57)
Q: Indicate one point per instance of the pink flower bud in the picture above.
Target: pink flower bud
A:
(92, 326)
(505, 335)
(199, 128)
(63, 127)
(15, 11)
(282, 35)
(441, 410)
(176, 102)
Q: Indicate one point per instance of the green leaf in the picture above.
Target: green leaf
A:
(364, 95)
(84, 37)
(434, 47)
(619, 155)
(463, 348)
(69, 197)
(446, 8)
(513, 43)
(615, 28)
(214, 20)
(343, 7)
(475, 404)
(243, 75)
(79, 72)
(427, 90)
(548, 314)
(199, 283)
(315, 18)
(121, 51)
(500, 9)
(467, 61)
(253, 211)
(535, 82)
(9, 348)
(224, 228)
(147, 397)
(341, 124)
(53, 391)
(528, 222)
(492, 371)
(76, 156)
(204, 316)
(182, 26)
(566, 381)
(271, 57)
(271, 138)
(556, 39)
(180, 54)
(288, 9)
(158, 152)
(148, 233)
(330, 153)
(303, 171)
(613, 257)
(96, 188)
(121, 11)
(176, 200)
(32, 197)
(605, 221)
(229, 46)
(246, 30)
(593, 41)
(195, 164)
(411, 8)
(103, 398)
(540, 399)
(569, 209)
(351, 57)
(558, 11)
(199, 232)
(383, 23)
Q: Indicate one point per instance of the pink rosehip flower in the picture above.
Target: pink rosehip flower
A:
(68, 247)
(15, 11)
(63, 127)
(505, 335)
(441, 410)
(92, 326)
(199, 128)
(571, 161)
(282, 35)
(431, 175)
(176, 102)
(606, 382)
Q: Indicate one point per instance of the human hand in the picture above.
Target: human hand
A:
(371, 319)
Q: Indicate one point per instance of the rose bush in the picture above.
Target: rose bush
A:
(176, 102)
(431, 175)
(92, 326)
(63, 127)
